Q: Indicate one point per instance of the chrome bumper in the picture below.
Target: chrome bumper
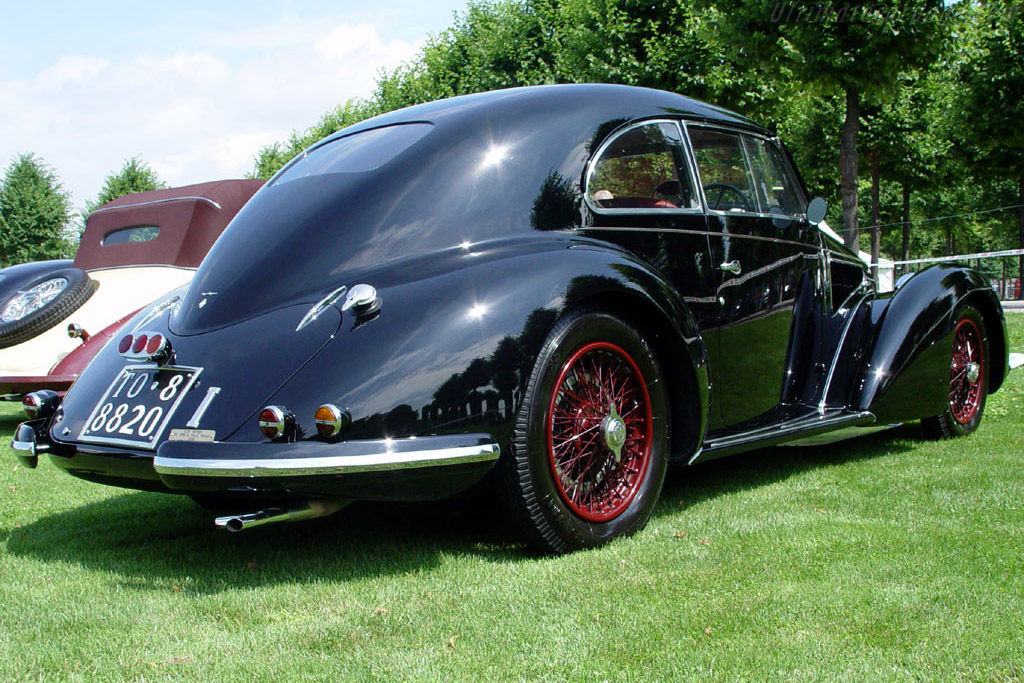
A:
(26, 443)
(415, 468)
(315, 459)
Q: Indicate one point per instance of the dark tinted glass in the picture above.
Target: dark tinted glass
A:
(136, 233)
(356, 153)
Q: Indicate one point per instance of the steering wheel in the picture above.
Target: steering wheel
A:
(723, 189)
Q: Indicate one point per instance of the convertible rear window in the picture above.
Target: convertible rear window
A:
(136, 233)
(355, 153)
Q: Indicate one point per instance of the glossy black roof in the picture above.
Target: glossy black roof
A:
(588, 101)
(496, 165)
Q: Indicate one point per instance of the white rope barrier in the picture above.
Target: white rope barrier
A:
(959, 257)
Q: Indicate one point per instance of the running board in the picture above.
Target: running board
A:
(785, 432)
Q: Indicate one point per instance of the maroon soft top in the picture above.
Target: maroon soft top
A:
(189, 219)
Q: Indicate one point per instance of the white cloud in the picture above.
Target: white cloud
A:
(194, 116)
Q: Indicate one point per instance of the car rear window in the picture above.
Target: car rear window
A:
(355, 153)
(135, 233)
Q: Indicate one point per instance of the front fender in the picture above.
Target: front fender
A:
(456, 337)
(905, 375)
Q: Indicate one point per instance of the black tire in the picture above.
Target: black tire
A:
(967, 392)
(75, 292)
(566, 488)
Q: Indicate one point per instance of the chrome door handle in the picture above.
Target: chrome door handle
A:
(732, 266)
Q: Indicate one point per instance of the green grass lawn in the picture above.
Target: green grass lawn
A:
(880, 558)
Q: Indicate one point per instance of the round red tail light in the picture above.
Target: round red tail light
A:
(276, 422)
(140, 344)
(156, 344)
(39, 404)
(145, 347)
(30, 404)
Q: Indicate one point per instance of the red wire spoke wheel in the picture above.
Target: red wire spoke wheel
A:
(966, 372)
(599, 431)
(968, 379)
(590, 449)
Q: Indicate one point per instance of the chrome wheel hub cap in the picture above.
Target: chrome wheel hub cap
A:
(613, 429)
(31, 300)
(973, 372)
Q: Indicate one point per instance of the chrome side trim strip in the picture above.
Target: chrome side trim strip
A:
(161, 201)
(375, 457)
(708, 233)
(781, 433)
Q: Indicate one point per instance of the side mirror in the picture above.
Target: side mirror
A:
(816, 210)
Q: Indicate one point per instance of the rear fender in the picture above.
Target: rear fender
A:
(456, 337)
(905, 375)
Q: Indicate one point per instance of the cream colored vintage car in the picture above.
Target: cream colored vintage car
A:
(55, 315)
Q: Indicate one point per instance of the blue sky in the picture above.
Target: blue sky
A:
(194, 88)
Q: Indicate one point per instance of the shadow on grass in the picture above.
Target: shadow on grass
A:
(152, 540)
(9, 422)
(690, 485)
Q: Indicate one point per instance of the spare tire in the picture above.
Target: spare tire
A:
(41, 303)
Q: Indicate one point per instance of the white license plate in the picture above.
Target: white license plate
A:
(138, 404)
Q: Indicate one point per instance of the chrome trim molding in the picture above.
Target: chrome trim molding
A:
(781, 433)
(684, 148)
(161, 201)
(193, 421)
(708, 233)
(361, 456)
(318, 308)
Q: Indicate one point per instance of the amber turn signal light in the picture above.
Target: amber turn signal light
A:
(331, 420)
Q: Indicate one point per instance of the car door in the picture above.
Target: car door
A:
(766, 260)
(643, 196)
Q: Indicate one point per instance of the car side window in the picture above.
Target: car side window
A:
(724, 170)
(642, 169)
(774, 184)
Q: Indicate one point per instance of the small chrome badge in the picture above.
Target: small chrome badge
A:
(193, 435)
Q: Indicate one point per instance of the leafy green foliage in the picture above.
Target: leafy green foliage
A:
(510, 43)
(990, 80)
(35, 212)
(135, 176)
(989, 97)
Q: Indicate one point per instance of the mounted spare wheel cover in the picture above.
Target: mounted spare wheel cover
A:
(41, 303)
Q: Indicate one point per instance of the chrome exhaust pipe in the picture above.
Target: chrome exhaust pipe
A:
(310, 509)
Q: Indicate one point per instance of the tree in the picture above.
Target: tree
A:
(35, 212)
(853, 48)
(902, 144)
(989, 101)
(512, 43)
(135, 176)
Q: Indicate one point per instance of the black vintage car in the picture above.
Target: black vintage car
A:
(562, 290)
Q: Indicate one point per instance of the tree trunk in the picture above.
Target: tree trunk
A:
(905, 250)
(876, 218)
(848, 168)
(1020, 244)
